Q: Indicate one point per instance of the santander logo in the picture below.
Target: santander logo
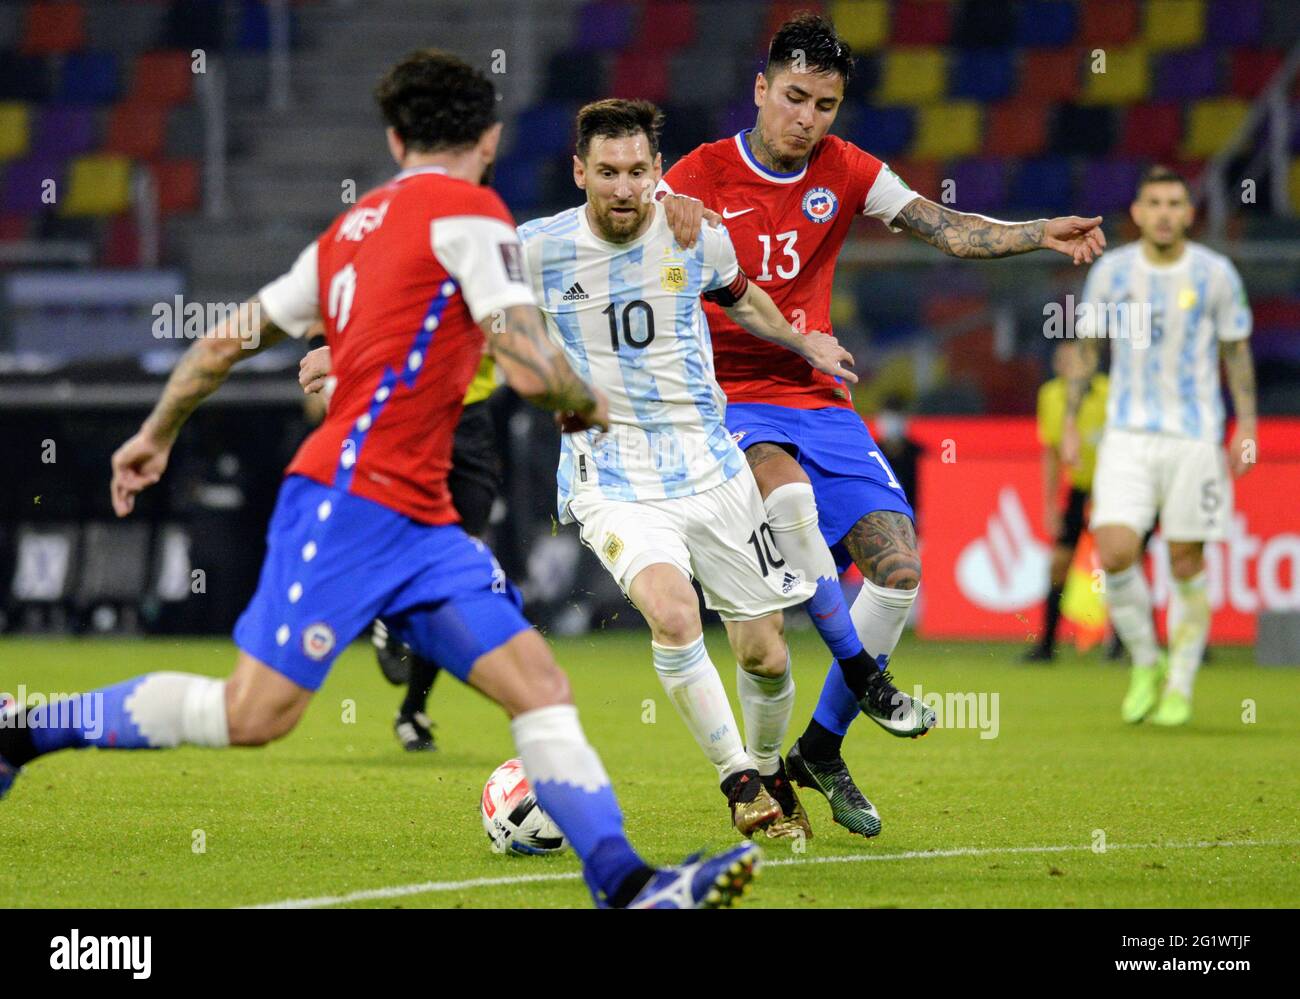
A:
(1004, 570)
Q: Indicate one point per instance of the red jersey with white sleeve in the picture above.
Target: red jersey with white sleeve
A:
(402, 281)
(787, 230)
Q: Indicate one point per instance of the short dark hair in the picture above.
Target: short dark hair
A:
(1160, 174)
(615, 118)
(434, 100)
(823, 51)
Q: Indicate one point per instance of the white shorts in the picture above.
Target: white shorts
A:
(719, 537)
(1186, 481)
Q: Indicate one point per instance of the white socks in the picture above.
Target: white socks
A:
(1129, 601)
(692, 683)
(1188, 618)
(766, 702)
(879, 614)
(792, 515)
(171, 709)
(553, 748)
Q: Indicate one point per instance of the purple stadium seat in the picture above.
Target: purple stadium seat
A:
(1108, 186)
(63, 131)
(23, 184)
(736, 117)
(604, 24)
(981, 185)
(1235, 22)
(1190, 74)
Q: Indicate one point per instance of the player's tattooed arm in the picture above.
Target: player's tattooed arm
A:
(1240, 369)
(961, 234)
(883, 547)
(538, 370)
(141, 461)
(755, 312)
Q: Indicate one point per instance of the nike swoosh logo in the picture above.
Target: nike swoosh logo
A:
(731, 215)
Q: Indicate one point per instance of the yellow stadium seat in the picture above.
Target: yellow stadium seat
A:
(1126, 80)
(913, 76)
(98, 185)
(1174, 24)
(946, 131)
(15, 130)
(1211, 123)
(864, 24)
(1293, 185)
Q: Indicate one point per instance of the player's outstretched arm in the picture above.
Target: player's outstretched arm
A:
(140, 462)
(1240, 368)
(536, 369)
(961, 234)
(756, 313)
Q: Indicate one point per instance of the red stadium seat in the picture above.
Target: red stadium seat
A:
(122, 245)
(13, 228)
(643, 74)
(1015, 128)
(164, 78)
(1108, 22)
(1050, 75)
(1152, 131)
(137, 130)
(667, 25)
(781, 11)
(179, 185)
(1252, 69)
(922, 22)
(925, 178)
(53, 28)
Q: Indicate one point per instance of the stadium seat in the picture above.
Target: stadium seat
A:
(1151, 131)
(1108, 185)
(1046, 23)
(13, 228)
(1211, 123)
(1108, 22)
(1042, 184)
(64, 131)
(1174, 24)
(864, 24)
(704, 77)
(921, 22)
(162, 78)
(865, 78)
(667, 25)
(1235, 22)
(24, 78)
(780, 11)
(121, 247)
(136, 130)
(983, 74)
(1050, 75)
(1252, 70)
(1188, 75)
(518, 179)
(1127, 77)
(1083, 131)
(98, 185)
(980, 24)
(90, 77)
(688, 125)
(546, 129)
(603, 24)
(980, 185)
(923, 177)
(947, 131)
(179, 185)
(1015, 128)
(738, 115)
(53, 28)
(913, 76)
(15, 130)
(11, 26)
(25, 182)
(571, 76)
(640, 74)
(195, 24)
(881, 131)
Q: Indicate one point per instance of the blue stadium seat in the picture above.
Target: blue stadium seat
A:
(1235, 22)
(1048, 23)
(1188, 74)
(518, 179)
(548, 127)
(981, 24)
(90, 78)
(1042, 185)
(195, 24)
(885, 131)
(983, 74)
(604, 24)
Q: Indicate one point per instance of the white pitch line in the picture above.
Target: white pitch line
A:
(431, 887)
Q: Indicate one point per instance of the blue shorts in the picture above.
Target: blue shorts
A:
(335, 562)
(850, 475)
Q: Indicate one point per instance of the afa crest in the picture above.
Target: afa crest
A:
(613, 547)
(672, 276)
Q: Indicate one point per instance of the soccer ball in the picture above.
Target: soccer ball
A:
(513, 819)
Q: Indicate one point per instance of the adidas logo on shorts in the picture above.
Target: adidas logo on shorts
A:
(575, 294)
(789, 582)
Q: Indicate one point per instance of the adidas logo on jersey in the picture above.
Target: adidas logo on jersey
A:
(575, 294)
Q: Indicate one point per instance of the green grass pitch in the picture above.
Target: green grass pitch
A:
(1204, 816)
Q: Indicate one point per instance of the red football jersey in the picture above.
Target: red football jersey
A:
(787, 230)
(401, 281)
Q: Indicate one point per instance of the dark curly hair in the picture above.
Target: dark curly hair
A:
(823, 50)
(434, 100)
(615, 118)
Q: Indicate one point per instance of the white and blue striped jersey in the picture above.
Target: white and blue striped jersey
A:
(1164, 324)
(629, 318)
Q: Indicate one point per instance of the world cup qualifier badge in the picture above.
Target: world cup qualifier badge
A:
(820, 204)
